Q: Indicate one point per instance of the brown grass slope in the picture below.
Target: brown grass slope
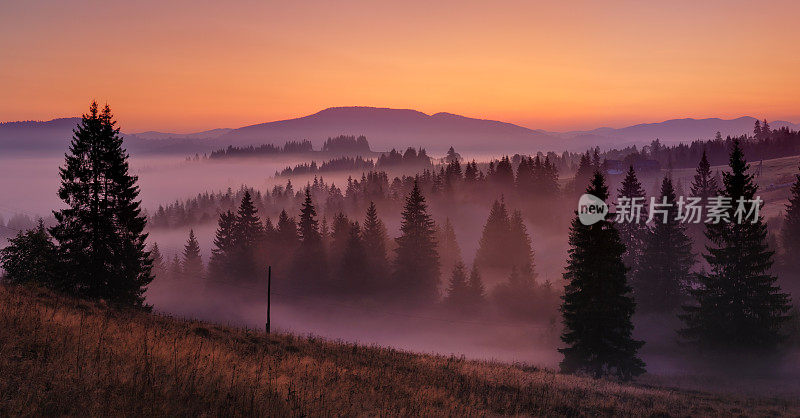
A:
(60, 356)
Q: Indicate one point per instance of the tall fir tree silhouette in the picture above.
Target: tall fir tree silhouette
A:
(597, 306)
(375, 237)
(159, 266)
(100, 234)
(192, 260)
(248, 233)
(458, 291)
(309, 267)
(449, 250)
(738, 305)
(416, 267)
(633, 233)
(519, 242)
(354, 273)
(220, 263)
(704, 185)
(664, 279)
(496, 232)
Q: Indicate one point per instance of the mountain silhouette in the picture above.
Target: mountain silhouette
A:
(394, 128)
(385, 129)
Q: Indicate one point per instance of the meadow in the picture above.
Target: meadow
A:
(62, 356)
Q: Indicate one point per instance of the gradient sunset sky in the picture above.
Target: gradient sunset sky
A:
(192, 65)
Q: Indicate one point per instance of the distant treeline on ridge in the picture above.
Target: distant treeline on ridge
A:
(341, 144)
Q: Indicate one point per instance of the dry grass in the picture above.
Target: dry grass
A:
(64, 357)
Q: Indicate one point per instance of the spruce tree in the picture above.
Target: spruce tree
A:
(492, 251)
(30, 257)
(449, 250)
(159, 267)
(633, 233)
(704, 184)
(354, 271)
(309, 266)
(374, 237)
(737, 306)
(220, 264)
(100, 234)
(339, 236)
(248, 232)
(519, 245)
(192, 260)
(287, 231)
(458, 291)
(597, 305)
(176, 269)
(416, 267)
(664, 279)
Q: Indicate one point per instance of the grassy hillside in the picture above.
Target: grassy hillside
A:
(67, 357)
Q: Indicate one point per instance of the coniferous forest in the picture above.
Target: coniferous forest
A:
(415, 209)
(449, 243)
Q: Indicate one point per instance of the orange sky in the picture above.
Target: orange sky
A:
(195, 65)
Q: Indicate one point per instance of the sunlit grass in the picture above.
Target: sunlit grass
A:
(60, 356)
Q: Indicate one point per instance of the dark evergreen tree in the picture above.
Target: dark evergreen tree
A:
(449, 250)
(492, 252)
(287, 231)
(416, 267)
(704, 184)
(192, 260)
(664, 278)
(458, 291)
(374, 236)
(248, 233)
(597, 306)
(518, 247)
(503, 175)
(738, 306)
(633, 233)
(100, 234)
(339, 237)
(30, 257)
(471, 172)
(175, 268)
(550, 185)
(354, 270)
(220, 264)
(159, 267)
(309, 267)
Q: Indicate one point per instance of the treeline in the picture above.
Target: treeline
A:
(336, 164)
(532, 178)
(351, 259)
(346, 144)
(765, 143)
(290, 147)
(341, 144)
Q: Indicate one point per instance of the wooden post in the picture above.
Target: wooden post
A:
(269, 291)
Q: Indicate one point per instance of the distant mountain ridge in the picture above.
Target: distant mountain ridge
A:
(385, 128)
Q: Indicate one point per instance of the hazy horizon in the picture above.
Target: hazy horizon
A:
(183, 66)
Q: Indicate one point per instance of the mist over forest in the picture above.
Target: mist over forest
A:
(484, 207)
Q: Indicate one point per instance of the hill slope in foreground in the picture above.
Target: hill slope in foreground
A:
(66, 357)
